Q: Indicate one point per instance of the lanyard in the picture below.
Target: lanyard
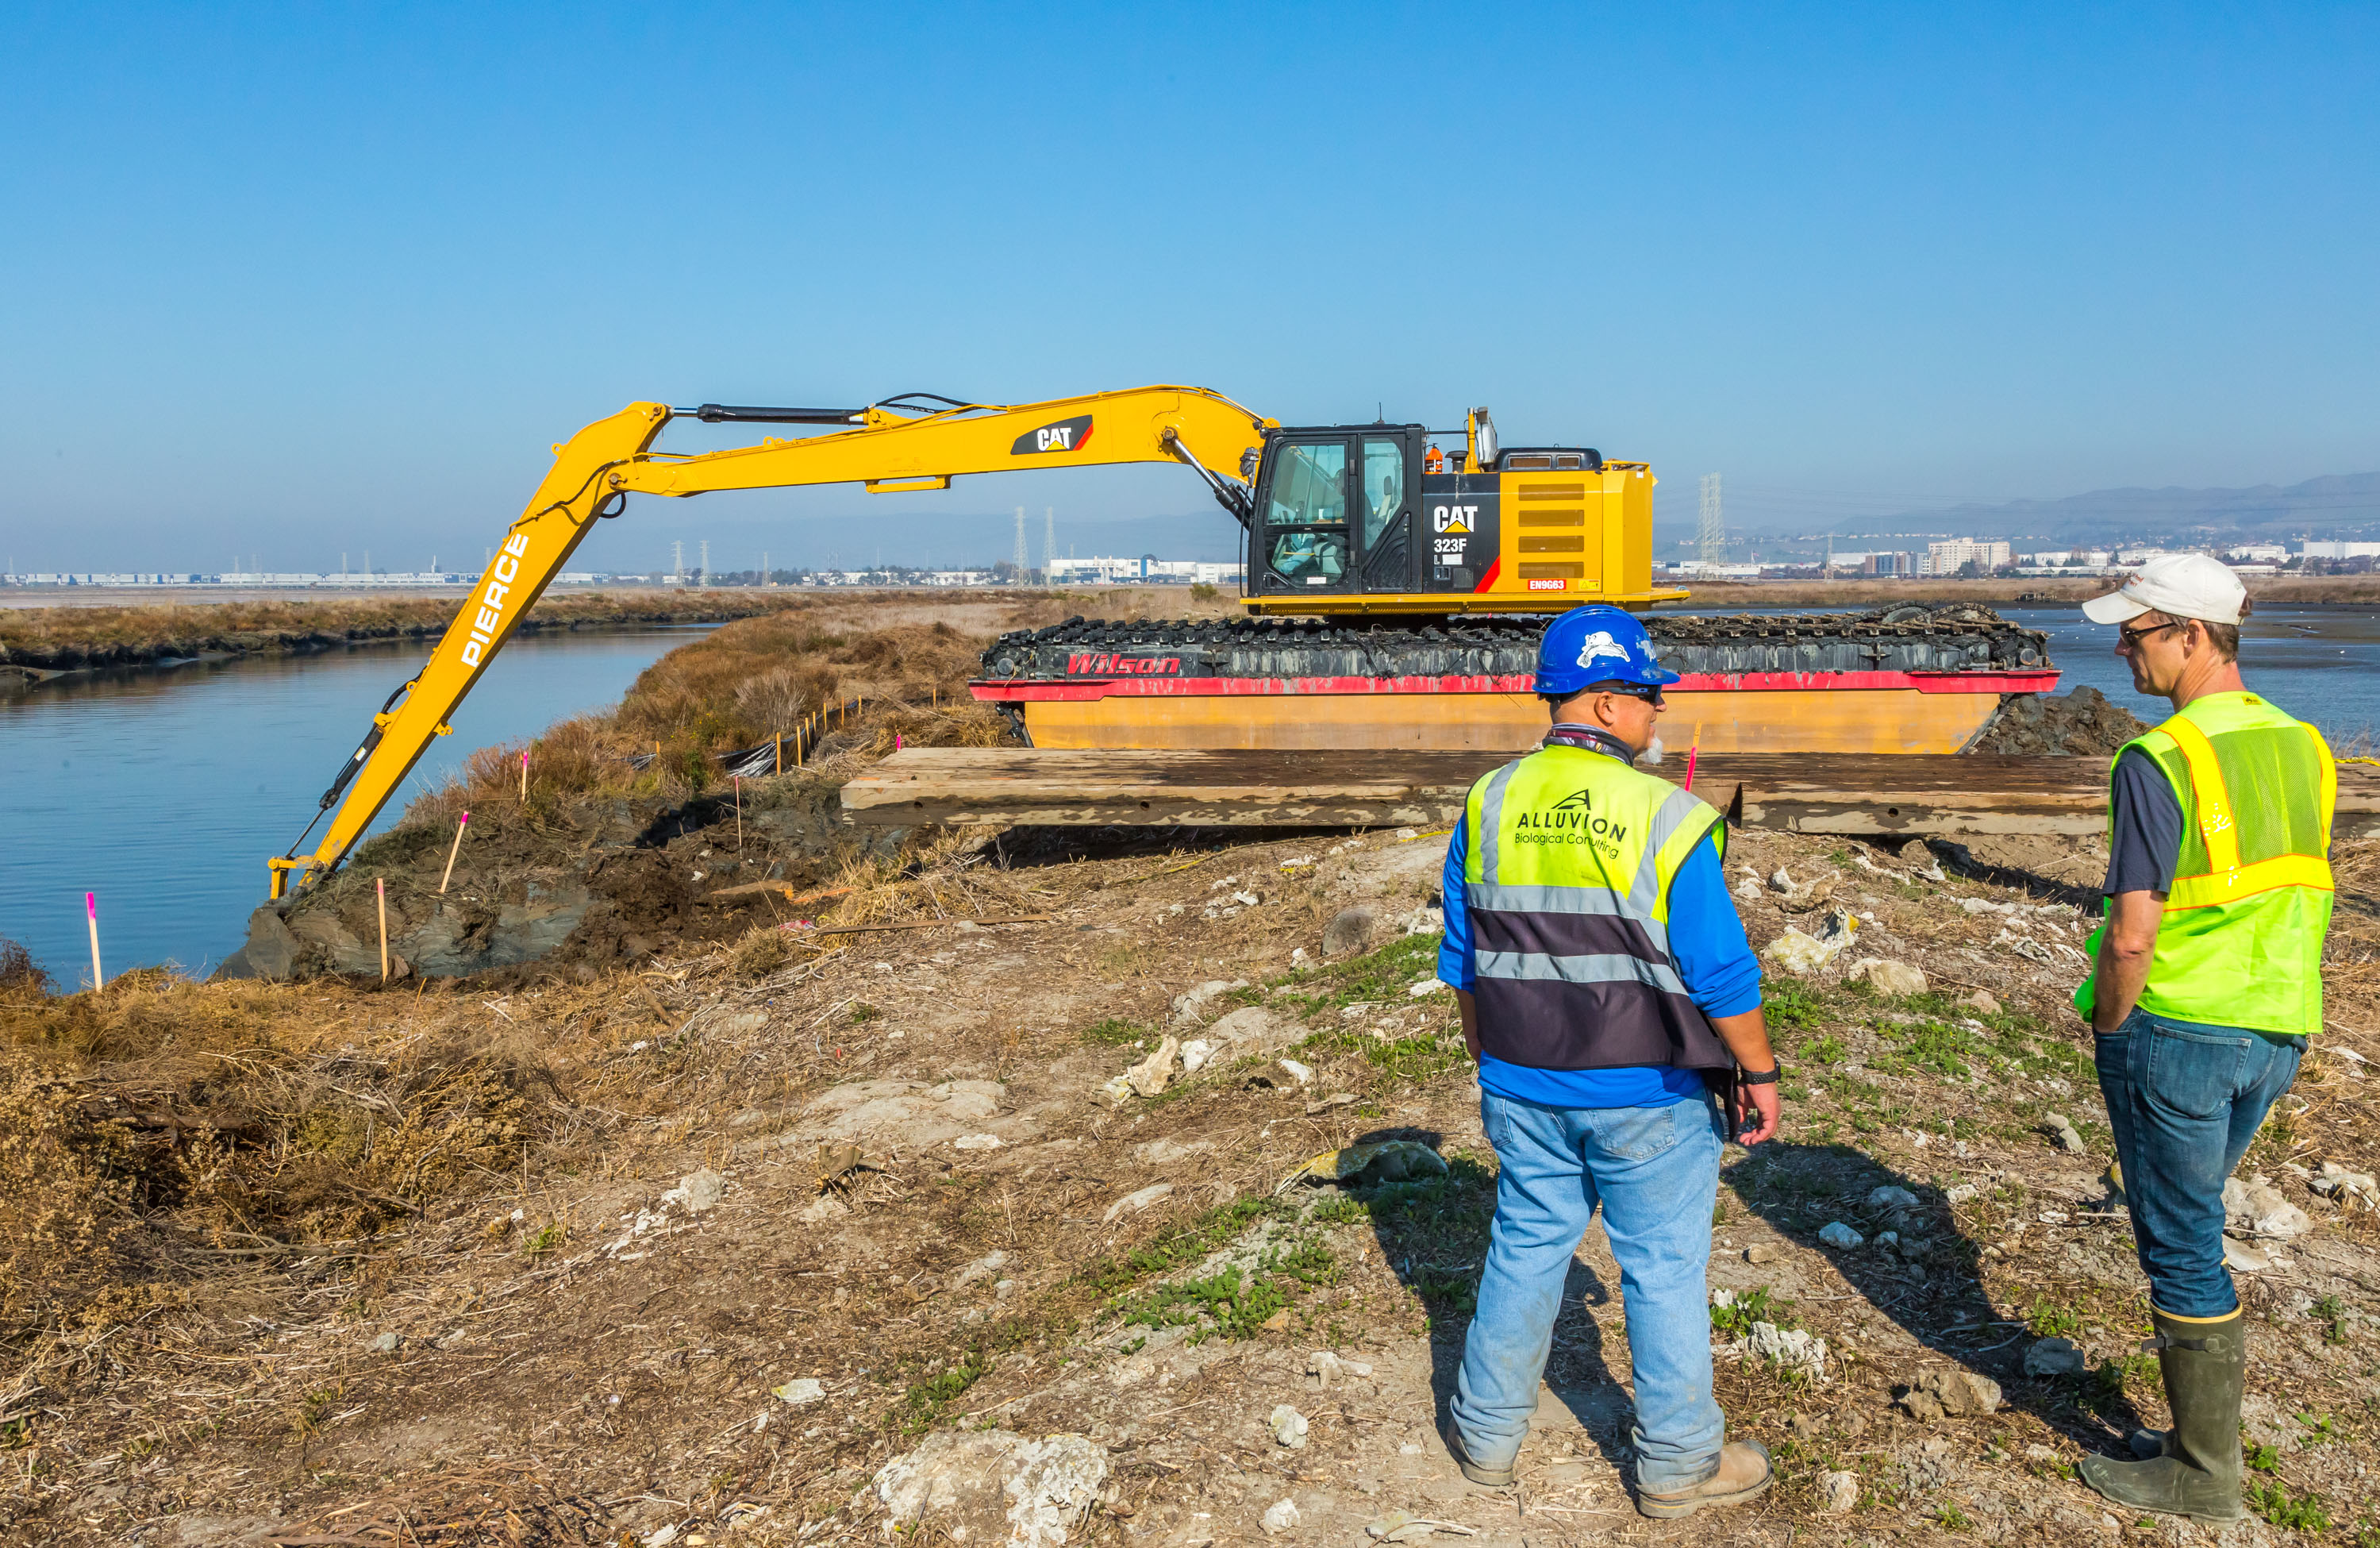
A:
(1591, 740)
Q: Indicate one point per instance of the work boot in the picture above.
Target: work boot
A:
(1743, 1472)
(2205, 1368)
(1478, 1472)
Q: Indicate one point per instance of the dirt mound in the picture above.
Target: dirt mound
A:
(2081, 724)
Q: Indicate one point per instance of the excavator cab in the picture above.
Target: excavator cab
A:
(1333, 511)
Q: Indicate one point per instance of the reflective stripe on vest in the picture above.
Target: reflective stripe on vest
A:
(2225, 879)
(1566, 882)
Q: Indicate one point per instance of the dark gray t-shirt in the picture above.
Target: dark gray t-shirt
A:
(2146, 845)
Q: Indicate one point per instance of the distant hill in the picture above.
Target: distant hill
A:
(2335, 505)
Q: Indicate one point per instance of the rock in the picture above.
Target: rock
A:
(1890, 1197)
(1153, 1074)
(1838, 1234)
(2062, 1128)
(1889, 1240)
(745, 1021)
(388, 1344)
(2055, 1357)
(1980, 1002)
(2339, 1183)
(1326, 1367)
(699, 1191)
(1133, 1203)
(1352, 931)
(2145, 1443)
(982, 1268)
(1803, 955)
(271, 952)
(1384, 1160)
(1788, 1349)
(2039, 1452)
(1895, 978)
(1961, 1193)
(2240, 1255)
(1430, 985)
(1288, 1426)
(1802, 1426)
(1253, 1029)
(1194, 1054)
(1838, 1491)
(2258, 1206)
(976, 1143)
(1762, 1254)
(801, 1391)
(1279, 1517)
(1958, 1393)
(1302, 1074)
(1190, 1005)
(985, 1487)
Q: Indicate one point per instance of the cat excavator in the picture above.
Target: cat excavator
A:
(1395, 581)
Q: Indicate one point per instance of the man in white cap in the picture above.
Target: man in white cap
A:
(2206, 983)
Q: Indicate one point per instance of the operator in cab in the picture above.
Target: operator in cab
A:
(1608, 996)
(2206, 984)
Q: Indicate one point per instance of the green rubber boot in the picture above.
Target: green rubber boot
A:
(2205, 1368)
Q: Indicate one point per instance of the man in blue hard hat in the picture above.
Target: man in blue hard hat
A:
(1607, 989)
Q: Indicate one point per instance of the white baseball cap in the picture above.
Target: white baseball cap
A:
(2177, 585)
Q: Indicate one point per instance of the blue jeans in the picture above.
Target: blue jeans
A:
(1656, 1171)
(2184, 1098)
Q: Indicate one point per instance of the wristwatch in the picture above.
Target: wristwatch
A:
(1759, 1076)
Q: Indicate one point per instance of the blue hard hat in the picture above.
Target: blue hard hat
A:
(1598, 644)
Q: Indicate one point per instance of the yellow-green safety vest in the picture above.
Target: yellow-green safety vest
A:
(1567, 869)
(2241, 941)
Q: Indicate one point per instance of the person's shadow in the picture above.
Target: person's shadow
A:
(1930, 1281)
(1432, 1232)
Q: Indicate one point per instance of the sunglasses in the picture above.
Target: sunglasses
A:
(1650, 694)
(2128, 637)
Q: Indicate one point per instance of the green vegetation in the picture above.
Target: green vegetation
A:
(2276, 1503)
(1735, 1320)
(2048, 1319)
(1116, 1032)
(927, 1399)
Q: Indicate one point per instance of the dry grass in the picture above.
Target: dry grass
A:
(1892, 593)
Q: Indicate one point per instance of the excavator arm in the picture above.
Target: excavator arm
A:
(898, 444)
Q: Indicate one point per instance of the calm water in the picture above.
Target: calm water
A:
(2319, 663)
(164, 791)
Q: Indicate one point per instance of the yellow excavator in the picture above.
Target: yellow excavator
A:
(1395, 580)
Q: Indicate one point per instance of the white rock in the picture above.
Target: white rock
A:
(1748, 889)
(1288, 1426)
(1194, 1054)
(2055, 1357)
(1430, 985)
(699, 1191)
(1841, 1492)
(1838, 1234)
(1133, 1203)
(2240, 1255)
(802, 1390)
(1790, 1349)
(1961, 1193)
(2258, 1205)
(1153, 1074)
(1191, 1003)
(1895, 978)
(1280, 1516)
(1890, 1197)
(1246, 899)
(994, 1486)
(976, 1143)
(1302, 1074)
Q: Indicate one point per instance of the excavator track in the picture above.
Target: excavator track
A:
(1908, 679)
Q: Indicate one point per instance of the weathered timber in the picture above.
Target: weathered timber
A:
(1832, 793)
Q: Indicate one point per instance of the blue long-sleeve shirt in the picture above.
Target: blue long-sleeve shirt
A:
(1706, 944)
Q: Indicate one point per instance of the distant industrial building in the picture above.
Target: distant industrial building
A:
(1149, 570)
(2341, 550)
(1950, 558)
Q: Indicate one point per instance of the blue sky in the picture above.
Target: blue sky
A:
(297, 281)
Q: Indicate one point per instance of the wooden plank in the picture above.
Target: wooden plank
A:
(1830, 792)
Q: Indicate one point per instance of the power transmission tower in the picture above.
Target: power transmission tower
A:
(677, 559)
(1048, 540)
(1713, 534)
(705, 571)
(1020, 545)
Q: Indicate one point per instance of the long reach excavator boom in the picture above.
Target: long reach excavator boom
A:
(909, 442)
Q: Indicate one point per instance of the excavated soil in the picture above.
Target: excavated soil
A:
(806, 1230)
(2081, 724)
